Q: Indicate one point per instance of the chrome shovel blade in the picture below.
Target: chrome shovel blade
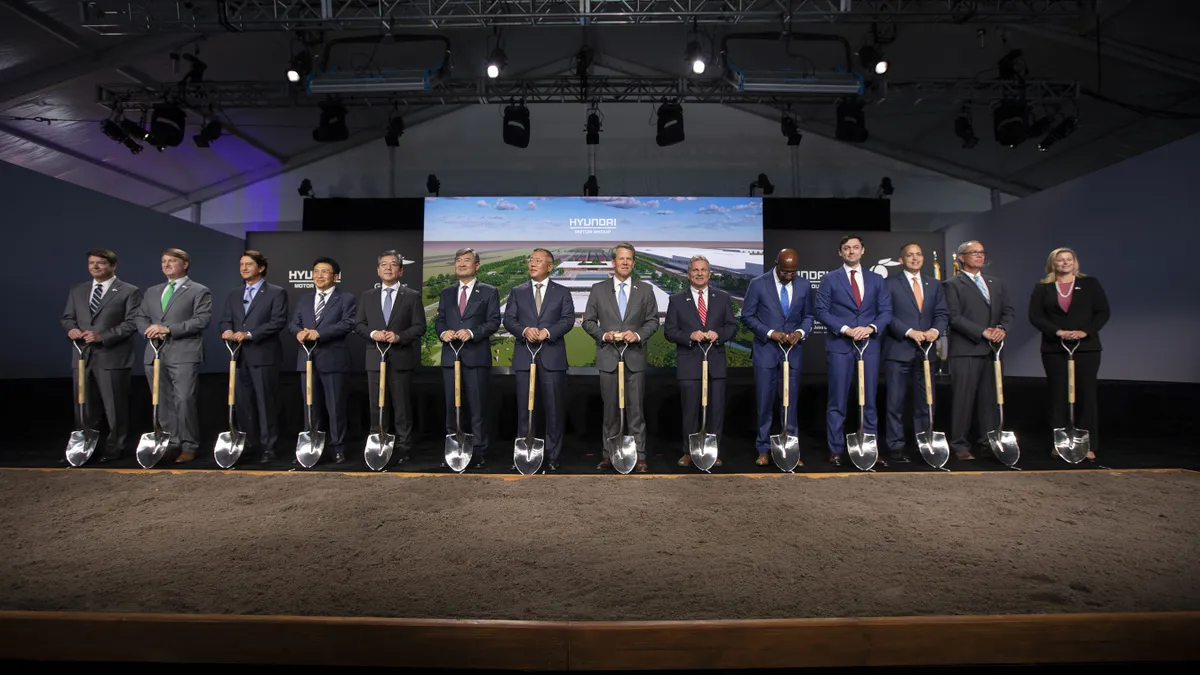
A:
(528, 456)
(785, 452)
(152, 447)
(309, 446)
(622, 452)
(81, 445)
(863, 454)
(703, 449)
(934, 448)
(229, 448)
(379, 450)
(459, 448)
(1072, 445)
(1004, 446)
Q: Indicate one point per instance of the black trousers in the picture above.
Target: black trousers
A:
(257, 406)
(1087, 365)
(973, 388)
(107, 395)
(397, 406)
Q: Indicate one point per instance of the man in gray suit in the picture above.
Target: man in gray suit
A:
(102, 313)
(177, 312)
(622, 312)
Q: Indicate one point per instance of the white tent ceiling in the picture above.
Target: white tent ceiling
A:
(1147, 77)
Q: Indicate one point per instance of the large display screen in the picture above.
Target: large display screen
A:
(581, 232)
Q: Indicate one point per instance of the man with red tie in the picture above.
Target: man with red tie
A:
(855, 305)
(698, 316)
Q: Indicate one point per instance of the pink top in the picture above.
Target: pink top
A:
(1064, 290)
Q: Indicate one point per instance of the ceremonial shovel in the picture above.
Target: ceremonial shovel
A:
(230, 443)
(310, 443)
(932, 444)
(379, 446)
(785, 449)
(1070, 443)
(83, 440)
(622, 449)
(1004, 443)
(702, 446)
(528, 451)
(459, 446)
(153, 446)
(862, 447)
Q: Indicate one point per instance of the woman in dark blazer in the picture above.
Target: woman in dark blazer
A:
(1068, 305)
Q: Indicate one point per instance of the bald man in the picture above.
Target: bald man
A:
(779, 313)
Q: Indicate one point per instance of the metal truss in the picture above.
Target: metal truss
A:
(123, 17)
(234, 95)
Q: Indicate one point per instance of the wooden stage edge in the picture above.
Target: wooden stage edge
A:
(572, 645)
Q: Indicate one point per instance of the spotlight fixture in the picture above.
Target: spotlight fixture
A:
(516, 125)
(300, 67)
(872, 59)
(496, 63)
(695, 56)
(134, 130)
(670, 124)
(395, 129)
(306, 189)
(791, 130)
(433, 185)
(332, 127)
(965, 130)
(583, 61)
(851, 121)
(885, 189)
(591, 188)
(1010, 123)
(592, 134)
(167, 125)
(1059, 132)
(762, 183)
(210, 132)
(117, 133)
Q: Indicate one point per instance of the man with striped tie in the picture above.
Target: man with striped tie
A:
(101, 314)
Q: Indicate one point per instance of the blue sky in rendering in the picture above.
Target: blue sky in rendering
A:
(678, 219)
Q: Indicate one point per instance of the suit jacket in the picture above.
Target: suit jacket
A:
(481, 317)
(906, 316)
(683, 318)
(557, 317)
(407, 321)
(1088, 312)
(970, 314)
(331, 354)
(602, 315)
(835, 307)
(186, 316)
(763, 313)
(115, 321)
(265, 319)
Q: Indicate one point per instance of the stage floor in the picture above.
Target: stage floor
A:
(588, 548)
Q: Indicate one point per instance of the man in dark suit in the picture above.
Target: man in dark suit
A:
(919, 317)
(254, 317)
(177, 312)
(103, 314)
(620, 312)
(468, 312)
(541, 313)
(854, 304)
(701, 314)
(981, 313)
(392, 314)
(323, 321)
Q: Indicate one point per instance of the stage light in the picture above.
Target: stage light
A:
(762, 183)
(395, 130)
(1010, 123)
(791, 130)
(306, 189)
(592, 135)
(208, 133)
(851, 122)
(885, 189)
(496, 63)
(591, 188)
(670, 124)
(695, 56)
(167, 125)
(332, 127)
(300, 67)
(134, 130)
(965, 130)
(433, 185)
(118, 134)
(516, 125)
(872, 59)
(1059, 132)
(195, 74)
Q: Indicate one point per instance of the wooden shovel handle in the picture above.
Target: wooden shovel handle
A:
(154, 393)
(308, 382)
(232, 377)
(621, 385)
(704, 385)
(1071, 380)
(785, 382)
(382, 382)
(999, 384)
(82, 383)
(457, 384)
(532, 382)
(928, 385)
(862, 386)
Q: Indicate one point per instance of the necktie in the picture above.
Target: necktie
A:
(166, 298)
(537, 299)
(387, 305)
(95, 304)
(703, 309)
(249, 296)
(919, 296)
(462, 299)
(854, 285)
(983, 288)
(622, 301)
(320, 306)
(784, 302)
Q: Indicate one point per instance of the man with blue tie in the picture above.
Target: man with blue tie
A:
(392, 314)
(468, 313)
(322, 322)
(919, 317)
(538, 315)
(855, 305)
(779, 313)
(253, 318)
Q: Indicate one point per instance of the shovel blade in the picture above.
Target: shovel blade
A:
(1004, 446)
(934, 448)
(152, 447)
(459, 449)
(1072, 445)
(785, 452)
(379, 450)
(81, 445)
(309, 446)
(863, 452)
(703, 449)
(527, 455)
(229, 448)
(622, 452)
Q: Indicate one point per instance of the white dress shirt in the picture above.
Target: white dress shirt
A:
(470, 286)
(856, 280)
(628, 296)
(383, 295)
(909, 277)
(178, 285)
(104, 286)
(779, 286)
(327, 294)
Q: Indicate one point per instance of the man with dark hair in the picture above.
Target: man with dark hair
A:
(855, 305)
(254, 317)
(102, 314)
(622, 313)
(392, 314)
(468, 313)
(322, 322)
(177, 312)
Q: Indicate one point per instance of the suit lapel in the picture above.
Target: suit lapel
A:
(253, 301)
(472, 300)
(397, 303)
(912, 297)
(112, 290)
(175, 296)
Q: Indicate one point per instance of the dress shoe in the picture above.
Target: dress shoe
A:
(267, 457)
(641, 467)
(479, 463)
(554, 465)
(339, 458)
(686, 460)
(898, 457)
(835, 459)
(185, 456)
(764, 459)
(963, 455)
(605, 465)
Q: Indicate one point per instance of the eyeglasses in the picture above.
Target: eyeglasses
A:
(974, 252)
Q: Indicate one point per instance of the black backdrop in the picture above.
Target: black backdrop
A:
(818, 252)
(291, 255)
